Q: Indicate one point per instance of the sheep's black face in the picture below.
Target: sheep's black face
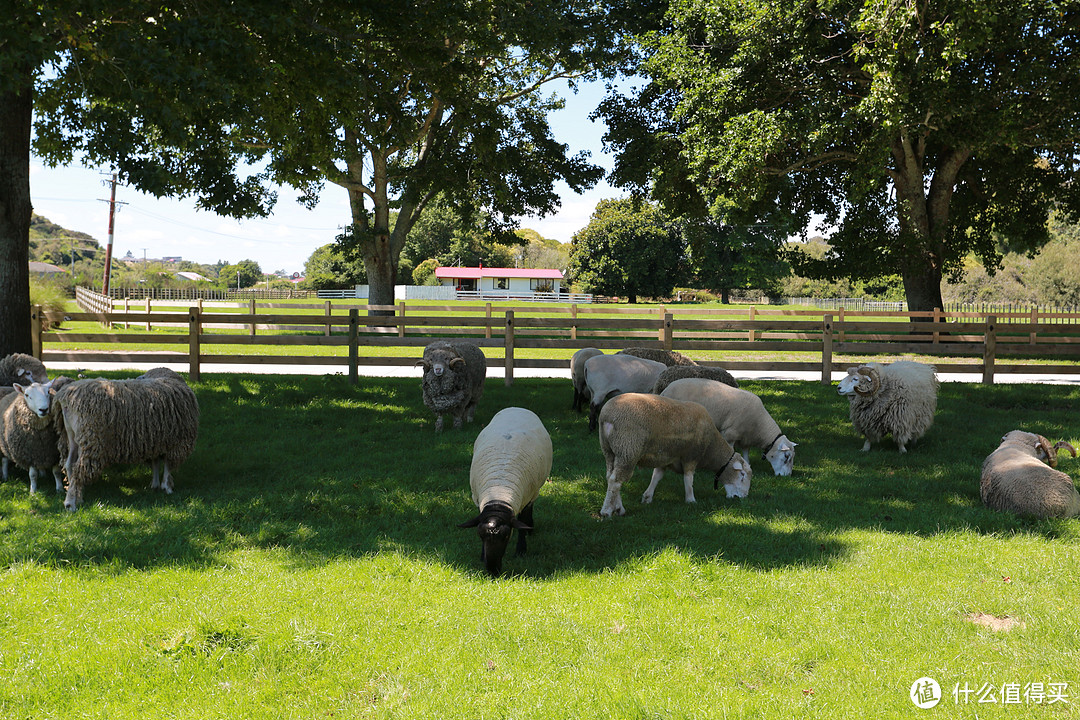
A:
(495, 536)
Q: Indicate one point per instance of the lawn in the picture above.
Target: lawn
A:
(308, 566)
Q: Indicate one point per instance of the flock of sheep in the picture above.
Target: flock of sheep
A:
(658, 409)
(652, 408)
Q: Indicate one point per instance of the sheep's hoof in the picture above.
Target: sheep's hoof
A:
(646, 498)
(866, 446)
(903, 449)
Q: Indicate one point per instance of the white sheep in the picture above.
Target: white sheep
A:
(678, 372)
(1018, 478)
(21, 368)
(27, 435)
(577, 375)
(511, 461)
(153, 418)
(610, 375)
(645, 430)
(898, 399)
(741, 418)
(453, 381)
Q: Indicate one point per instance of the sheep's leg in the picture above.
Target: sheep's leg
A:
(688, 485)
(33, 480)
(458, 418)
(155, 466)
(613, 500)
(525, 516)
(74, 494)
(4, 468)
(59, 478)
(438, 423)
(166, 478)
(902, 442)
(647, 496)
(866, 445)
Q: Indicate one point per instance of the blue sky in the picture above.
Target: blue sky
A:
(76, 198)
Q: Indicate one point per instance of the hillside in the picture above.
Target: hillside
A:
(54, 244)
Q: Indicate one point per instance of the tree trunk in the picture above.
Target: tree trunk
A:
(922, 285)
(16, 115)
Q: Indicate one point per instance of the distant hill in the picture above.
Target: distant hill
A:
(52, 243)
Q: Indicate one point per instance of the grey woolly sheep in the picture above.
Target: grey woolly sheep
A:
(577, 375)
(511, 461)
(21, 368)
(27, 435)
(668, 357)
(741, 418)
(453, 381)
(153, 418)
(645, 430)
(610, 375)
(898, 399)
(677, 372)
(1016, 478)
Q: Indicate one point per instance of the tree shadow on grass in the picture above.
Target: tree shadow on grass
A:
(321, 469)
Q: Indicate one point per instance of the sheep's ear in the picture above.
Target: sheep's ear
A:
(520, 525)
(470, 523)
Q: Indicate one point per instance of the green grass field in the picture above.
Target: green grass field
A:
(309, 566)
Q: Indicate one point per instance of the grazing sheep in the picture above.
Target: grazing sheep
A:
(577, 375)
(677, 372)
(511, 460)
(668, 357)
(1016, 478)
(608, 375)
(27, 435)
(153, 418)
(899, 399)
(645, 430)
(21, 368)
(741, 418)
(454, 374)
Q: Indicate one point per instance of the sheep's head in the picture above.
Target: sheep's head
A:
(495, 523)
(37, 396)
(735, 476)
(862, 380)
(781, 455)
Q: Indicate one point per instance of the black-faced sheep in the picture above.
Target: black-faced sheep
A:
(27, 435)
(678, 372)
(153, 418)
(1017, 478)
(645, 430)
(577, 375)
(741, 418)
(898, 399)
(453, 382)
(511, 461)
(610, 375)
(668, 357)
(21, 368)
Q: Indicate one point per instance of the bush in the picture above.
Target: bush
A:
(49, 296)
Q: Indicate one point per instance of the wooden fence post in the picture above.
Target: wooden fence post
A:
(487, 328)
(826, 349)
(508, 336)
(752, 335)
(573, 321)
(401, 315)
(663, 319)
(841, 320)
(194, 328)
(35, 332)
(328, 312)
(149, 309)
(251, 310)
(669, 327)
(1034, 321)
(354, 345)
(989, 349)
(937, 319)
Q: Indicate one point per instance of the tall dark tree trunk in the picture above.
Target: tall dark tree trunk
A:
(16, 115)
(922, 285)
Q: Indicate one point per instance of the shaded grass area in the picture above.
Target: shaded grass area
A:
(309, 565)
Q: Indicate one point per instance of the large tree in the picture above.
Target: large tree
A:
(400, 101)
(915, 131)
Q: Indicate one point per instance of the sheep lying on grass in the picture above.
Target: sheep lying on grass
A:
(898, 399)
(678, 372)
(577, 375)
(21, 368)
(153, 418)
(27, 435)
(1017, 478)
(741, 418)
(453, 382)
(645, 430)
(610, 375)
(668, 357)
(511, 461)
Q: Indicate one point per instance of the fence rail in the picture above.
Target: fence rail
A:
(738, 338)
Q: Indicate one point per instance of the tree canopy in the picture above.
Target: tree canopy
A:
(914, 132)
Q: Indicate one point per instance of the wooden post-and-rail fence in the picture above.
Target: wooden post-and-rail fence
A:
(757, 339)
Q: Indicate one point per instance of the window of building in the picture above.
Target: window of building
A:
(542, 285)
(502, 283)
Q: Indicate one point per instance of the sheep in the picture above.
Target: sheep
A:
(668, 357)
(677, 372)
(27, 435)
(453, 380)
(899, 398)
(21, 368)
(511, 461)
(1018, 478)
(645, 430)
(608, 375)
(153, 418)
(741, 418)
(577, 375)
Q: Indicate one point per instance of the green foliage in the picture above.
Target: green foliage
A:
(424, 274)
(328, 269)
(246, 272)
(629, 248)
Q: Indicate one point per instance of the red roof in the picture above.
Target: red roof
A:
(475, 273)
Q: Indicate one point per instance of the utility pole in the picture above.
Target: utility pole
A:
(108, 247)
